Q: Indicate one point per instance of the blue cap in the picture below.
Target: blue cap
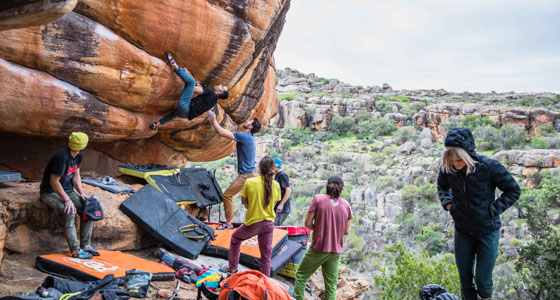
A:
(278, 162)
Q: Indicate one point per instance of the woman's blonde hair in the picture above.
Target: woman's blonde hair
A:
(454, 153)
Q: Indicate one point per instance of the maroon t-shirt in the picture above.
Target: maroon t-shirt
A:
(330, 223)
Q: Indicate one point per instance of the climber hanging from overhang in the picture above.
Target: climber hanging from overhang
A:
(205, 98)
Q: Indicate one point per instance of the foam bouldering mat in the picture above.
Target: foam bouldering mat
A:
(196, 186)
(6, 176)
(113, 188)
(156, 213)
(250, 253)
(300, 235)
(285, 255)
(109, 262)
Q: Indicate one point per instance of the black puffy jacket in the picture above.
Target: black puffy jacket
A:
(474, 207)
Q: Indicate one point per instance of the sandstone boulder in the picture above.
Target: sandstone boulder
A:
(99, 69)
(34, 228)
(25, 13)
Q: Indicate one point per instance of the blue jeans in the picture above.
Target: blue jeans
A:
(184, 103)
(483, 249)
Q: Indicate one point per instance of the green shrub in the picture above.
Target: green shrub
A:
(412, 272)
(513, 136)
(413, 108)
(404, 135)
(322, 79)
(286, 96)
(431, 239)
(383, 126)
(383, 107)
(487, 137)
(410, 195)
(341, 126)
(539, 143)
(472, 122)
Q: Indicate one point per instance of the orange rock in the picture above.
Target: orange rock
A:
(99, 69)
(25, 13)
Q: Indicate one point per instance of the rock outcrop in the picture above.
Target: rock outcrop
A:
(531, 119)
(313, 101)
(30, 226)
(25, 13)
(99, 69)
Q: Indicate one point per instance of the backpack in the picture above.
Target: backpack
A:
(92, 209)
(251, 285)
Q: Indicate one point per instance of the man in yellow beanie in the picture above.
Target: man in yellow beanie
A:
(61, 176)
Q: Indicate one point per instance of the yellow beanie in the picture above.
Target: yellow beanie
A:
(77, 141)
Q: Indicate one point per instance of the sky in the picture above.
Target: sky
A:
(475, 45)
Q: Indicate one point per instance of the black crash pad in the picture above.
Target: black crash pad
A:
(163, 219)
(196, 186)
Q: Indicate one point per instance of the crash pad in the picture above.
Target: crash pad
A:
(196, 186)
(250, 253)
(6, 176)
(300, 235)
(156, 213)
(113, 188)
(109, 262)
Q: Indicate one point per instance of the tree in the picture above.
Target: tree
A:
(413, 272)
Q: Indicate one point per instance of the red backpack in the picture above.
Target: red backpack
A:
(251, 285)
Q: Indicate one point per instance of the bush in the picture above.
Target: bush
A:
(286, 96)
(487, 137)
(411, 195)
(513, 136)
(383, 127)
(404, 135)
(472, 122)
(322, 79)
(341, 126)
(431, 239)
(297, 135)
(413, 272)
(413, 108)
(383, 107)
(539, 143)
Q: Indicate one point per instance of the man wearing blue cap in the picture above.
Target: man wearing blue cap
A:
(282, 207)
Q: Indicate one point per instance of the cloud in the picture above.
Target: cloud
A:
(477, 45)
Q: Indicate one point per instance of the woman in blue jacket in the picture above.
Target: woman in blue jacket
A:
(467, 185)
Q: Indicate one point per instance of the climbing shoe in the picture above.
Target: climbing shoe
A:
(91, 251)
(154, 126)
(81, 254)
(224, 226)
(170, 60)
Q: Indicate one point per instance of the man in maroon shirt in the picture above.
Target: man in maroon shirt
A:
(329, 217)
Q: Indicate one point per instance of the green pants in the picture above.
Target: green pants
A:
(309, 264)
(86, 227)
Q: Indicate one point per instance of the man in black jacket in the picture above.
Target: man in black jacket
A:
(204, 100)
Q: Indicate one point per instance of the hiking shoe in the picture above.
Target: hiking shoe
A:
(224, 226)
(81, 254)
(91, 251)
(170, 60)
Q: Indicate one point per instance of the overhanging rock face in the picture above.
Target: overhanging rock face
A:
(100, 69)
